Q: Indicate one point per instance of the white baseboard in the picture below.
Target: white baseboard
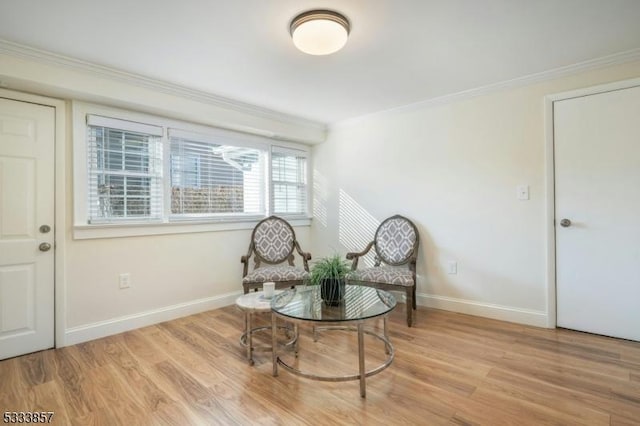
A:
(112, 326)
(488, 310)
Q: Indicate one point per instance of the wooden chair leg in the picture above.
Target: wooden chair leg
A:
(414, 297)
(410, 304)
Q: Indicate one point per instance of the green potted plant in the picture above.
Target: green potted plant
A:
(329, 273)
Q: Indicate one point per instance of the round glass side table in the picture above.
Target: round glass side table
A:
(255, 302)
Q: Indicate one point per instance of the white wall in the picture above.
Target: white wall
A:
(171, 275)
(453, 169)
(31, 70)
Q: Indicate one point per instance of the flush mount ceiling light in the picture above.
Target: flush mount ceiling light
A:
(319, 32)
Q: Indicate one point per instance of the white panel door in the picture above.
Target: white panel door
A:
(26, 203)
(597, 172)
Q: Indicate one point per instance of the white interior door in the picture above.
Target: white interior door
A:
(27, 137)
(597, 172)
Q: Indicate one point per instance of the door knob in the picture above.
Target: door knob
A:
(565, 223)
(45, 228)
(44, 246)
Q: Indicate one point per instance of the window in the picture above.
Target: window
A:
(211, 178)
(136, 169)
(125, 170)
(289, 181)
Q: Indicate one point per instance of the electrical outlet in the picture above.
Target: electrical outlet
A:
(124, 280)
(452, 267)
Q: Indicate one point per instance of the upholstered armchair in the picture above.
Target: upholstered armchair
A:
(273, 242)
(396, 245)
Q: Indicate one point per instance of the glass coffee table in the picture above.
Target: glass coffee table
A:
(304, 305)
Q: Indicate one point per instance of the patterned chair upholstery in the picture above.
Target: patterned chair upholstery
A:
(272, 244)
(396, 245)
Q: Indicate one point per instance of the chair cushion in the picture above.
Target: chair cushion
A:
(275, 273)
(395, 240)
(383, 274)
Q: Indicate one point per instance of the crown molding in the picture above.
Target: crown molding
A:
(593, 64)
(50, 58)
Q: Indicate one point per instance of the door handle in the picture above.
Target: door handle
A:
(44, 246)
(565, 223)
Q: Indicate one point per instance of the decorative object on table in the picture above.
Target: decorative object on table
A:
(268, 288)
(396, 245)
(329, 273)
(272, 245)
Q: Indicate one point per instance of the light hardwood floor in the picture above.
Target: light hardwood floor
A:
(449, 369)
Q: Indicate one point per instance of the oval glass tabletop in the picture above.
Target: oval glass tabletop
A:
(359, 303)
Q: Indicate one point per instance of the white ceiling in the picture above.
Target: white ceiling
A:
(399, 52)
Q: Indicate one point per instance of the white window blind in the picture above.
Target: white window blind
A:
(289, 181)
(124, 170)
(215, 177)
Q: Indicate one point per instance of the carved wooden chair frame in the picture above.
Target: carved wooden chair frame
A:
(410, 260)
(259, 259)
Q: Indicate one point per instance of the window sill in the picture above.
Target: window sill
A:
(119, 230)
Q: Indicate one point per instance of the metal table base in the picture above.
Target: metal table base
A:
(360, 328)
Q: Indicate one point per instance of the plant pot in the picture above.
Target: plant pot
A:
(332, 291)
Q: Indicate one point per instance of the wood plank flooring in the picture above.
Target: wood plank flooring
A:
(449, 369)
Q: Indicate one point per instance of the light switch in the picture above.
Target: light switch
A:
(523, 192)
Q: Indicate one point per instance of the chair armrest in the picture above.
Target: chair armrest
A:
(245, 260)
(306, 257)
(356, 255)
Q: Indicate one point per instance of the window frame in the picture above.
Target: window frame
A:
(154, 134)
(282, 149)
(169, 224)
